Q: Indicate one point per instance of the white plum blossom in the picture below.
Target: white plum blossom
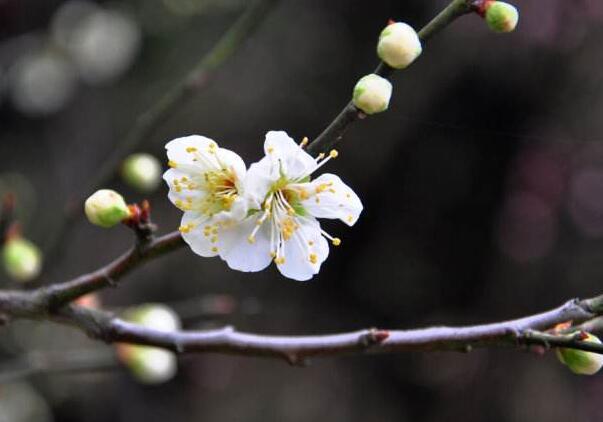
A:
(268, 213)
(287, 202)
(206, 182)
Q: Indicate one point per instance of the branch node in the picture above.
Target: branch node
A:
(373, 337)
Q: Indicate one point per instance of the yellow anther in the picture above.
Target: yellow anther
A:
(333, 153)
(303, 194)
(178, 188)
(321, 155)
(214, 239)
(313, 258)
(184, 229)
(191, 149)
(273, 254)
(214, 249)
(270, 150)
(172, 164)
(251, 239)
(336, 241)
(304, 142)
(350, 218)
(279, 260)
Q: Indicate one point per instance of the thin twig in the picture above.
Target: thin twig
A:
(337, 128)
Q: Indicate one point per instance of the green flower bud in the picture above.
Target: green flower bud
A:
(501, 16)
(580, 361)
(106, 208)
(372, 94)
(22, 259)
(399, 45)
(142, 172)
(150, 365)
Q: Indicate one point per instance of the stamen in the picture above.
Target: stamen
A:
(304, 142)
(334, 240)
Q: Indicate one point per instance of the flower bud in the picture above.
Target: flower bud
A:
(372, 94)
(106, 208)
(22, 259)
(142, 172)
(150, 365)
(501, 16)
(399, 45)
(580, 361)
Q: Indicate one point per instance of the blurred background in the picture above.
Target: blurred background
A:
(482, 187)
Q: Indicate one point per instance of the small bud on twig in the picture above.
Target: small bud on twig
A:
(372, 94)
(106, 208)
(500, 16)
(580, 361)
(399, 45)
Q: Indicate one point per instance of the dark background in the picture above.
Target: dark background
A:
(482, 187)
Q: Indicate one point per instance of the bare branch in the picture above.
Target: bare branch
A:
(296, 350)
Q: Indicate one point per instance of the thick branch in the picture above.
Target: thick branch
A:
(335, 131)
(296, 349)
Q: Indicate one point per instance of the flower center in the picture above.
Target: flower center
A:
(221, 189)
(283, 207)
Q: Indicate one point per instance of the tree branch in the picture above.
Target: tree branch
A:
(337, 128)
(296, 350)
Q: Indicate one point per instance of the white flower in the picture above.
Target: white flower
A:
(206, 182)
(282, 224)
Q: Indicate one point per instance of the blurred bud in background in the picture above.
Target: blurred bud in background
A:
(19, 402)
(102, 43)
(91, 300)
(150, 365)
(22, 260)
(41, 82)
(142, 172)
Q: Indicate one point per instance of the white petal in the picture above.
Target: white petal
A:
(232, 161)
(238, 252)
(201, 240)
(331, 198)
(282, 149)
(193, 152)
(259, 179)
(179, 192)
(305, 251)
